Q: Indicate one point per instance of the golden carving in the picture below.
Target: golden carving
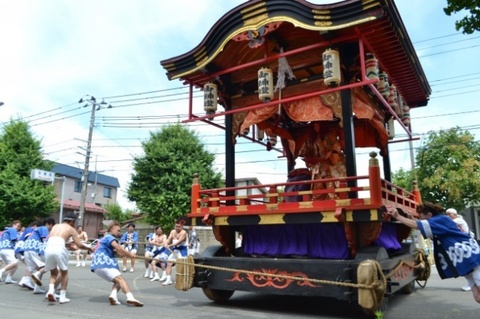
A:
(272, 206)
(271, 219)
(213, 210)
(323, 23)
(322, 17)
(306, 204)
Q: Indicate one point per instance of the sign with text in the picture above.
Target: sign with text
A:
(42, 175)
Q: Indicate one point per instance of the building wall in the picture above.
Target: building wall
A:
(70, 192)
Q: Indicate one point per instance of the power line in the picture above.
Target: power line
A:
(142, 93)
(436, 38)
(448, 51)
(443, 44)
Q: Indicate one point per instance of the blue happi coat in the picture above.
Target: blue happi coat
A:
(9, 238)
(21, 241)
(456, 253)
(36, 241)
(104, 256)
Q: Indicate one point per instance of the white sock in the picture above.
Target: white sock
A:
(51, 288)
(63, 293)
(114, 294)
(169, 278)
(129, 296)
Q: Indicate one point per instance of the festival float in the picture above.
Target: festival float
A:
(317, 83)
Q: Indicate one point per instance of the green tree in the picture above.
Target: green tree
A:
(115, 212)
(20, 196)
(448, 168)
(404, 178)
(469, 23)
(162, 178)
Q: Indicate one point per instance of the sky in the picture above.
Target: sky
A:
(55, 52)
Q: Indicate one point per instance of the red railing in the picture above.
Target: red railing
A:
(270, 198)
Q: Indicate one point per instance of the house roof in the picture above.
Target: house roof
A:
(89, 207)
(298, 24)
(76, 173)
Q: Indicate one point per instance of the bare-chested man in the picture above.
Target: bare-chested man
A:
(177, 243)
(80, 254)
(56, 255)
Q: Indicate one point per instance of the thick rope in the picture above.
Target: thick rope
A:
(258, 273)
(187, 265)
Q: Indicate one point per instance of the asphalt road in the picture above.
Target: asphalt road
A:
(88, 294)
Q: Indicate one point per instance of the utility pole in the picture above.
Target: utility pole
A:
(83, 197)
(95, 107)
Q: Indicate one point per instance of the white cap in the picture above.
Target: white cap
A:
(452, 211)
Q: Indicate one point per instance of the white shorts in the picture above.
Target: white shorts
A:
(107, 273)
(175, 255)
(8, 256)
(56, 254)
(473, 278)
(130, 248)
(33, 260)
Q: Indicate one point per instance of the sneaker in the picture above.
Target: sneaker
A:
(134, 302)
(64, 300)
(132, 270)
(466, 288)
(151, 275)
(9, 280)
(38, 290)
(164, 277)
(55, 297)
(167, 282)
(28, 284)
(83, 263)
(77, 265)
(50, 296)
(156, 278)
(113, 301)
(21, 282)
(124, 269)
(36, 278)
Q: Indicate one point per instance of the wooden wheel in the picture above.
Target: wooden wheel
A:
(218, 295)
(408, 289)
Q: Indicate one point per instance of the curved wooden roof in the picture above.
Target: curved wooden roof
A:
(297, 24)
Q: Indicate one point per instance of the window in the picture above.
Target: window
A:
(107, 192)
(78, 186)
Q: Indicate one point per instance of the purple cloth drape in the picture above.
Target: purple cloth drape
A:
(388, 237)
(308, 240)
(297, 175)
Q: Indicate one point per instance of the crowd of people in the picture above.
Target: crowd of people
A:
(45, 247)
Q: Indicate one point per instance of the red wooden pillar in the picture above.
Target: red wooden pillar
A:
(375, 181)
(194, 202)
(416, 193)
(273, 199)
